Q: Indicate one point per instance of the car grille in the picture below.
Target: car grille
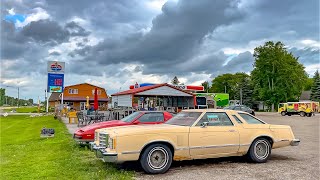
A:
(103, 140)
(96, 134)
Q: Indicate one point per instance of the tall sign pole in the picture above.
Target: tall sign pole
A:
(55, 83)
(47, 100)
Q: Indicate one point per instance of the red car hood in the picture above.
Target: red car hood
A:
(103, 125)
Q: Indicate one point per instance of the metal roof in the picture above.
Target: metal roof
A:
(146, 88)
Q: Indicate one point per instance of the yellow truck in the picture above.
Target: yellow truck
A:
(301, 108)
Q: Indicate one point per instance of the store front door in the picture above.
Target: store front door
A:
(82, 106)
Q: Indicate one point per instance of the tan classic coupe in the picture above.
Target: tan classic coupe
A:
(192, 134)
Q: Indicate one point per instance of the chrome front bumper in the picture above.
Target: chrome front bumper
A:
(295, 142)
(102, 154)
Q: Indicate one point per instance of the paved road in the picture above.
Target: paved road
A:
(11, 113)
(301, 162)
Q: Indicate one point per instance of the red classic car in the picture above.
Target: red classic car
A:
(86, 134)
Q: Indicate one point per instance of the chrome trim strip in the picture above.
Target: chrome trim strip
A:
(282, 140)
(213, 146)
(130, 152)
(182, 148)
(244, 144)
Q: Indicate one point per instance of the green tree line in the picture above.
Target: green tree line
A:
(277, 76)
(12, 101)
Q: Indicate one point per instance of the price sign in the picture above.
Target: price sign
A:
(55, 82)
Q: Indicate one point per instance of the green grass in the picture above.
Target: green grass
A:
(24, 155)
(23, 109)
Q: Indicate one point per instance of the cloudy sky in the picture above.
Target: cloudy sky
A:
(115, 43)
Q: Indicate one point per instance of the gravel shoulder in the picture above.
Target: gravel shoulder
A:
(300, 162)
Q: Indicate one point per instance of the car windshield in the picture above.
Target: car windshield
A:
(184, 118)
(131, 117)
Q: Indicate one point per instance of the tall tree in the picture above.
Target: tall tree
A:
(315, 89)
(175, 81)
(277, 74)
(231, 84)
(206, 86)
(223, 84)
(2, 96)
(308, 84)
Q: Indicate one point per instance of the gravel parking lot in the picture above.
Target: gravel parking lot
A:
(300, 162)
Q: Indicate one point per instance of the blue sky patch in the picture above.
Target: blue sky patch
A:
(15, 18)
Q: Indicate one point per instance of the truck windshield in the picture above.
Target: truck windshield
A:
(131, 117)
(184, 118)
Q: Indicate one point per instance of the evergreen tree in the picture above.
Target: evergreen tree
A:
(175, 81)
(315, 89)
(206, 86)
(2, 96)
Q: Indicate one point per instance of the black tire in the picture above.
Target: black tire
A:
(283, 113)
(260, 150)
(159, 152)
(302, 114)
(309, 114)
(253, 114)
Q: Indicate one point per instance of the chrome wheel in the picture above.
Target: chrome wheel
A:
(261, 149)
(157, 158)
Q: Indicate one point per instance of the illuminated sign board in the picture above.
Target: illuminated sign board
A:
(55, 82)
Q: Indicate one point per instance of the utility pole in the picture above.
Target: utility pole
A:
(240, 96)
(18, 97)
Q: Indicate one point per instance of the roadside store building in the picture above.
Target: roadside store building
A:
(163, 97)
(76, 96)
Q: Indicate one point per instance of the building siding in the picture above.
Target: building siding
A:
(84, 90)
(163, 91)
(123, 100)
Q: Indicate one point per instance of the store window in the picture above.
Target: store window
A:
(73, 91)
(98, 92)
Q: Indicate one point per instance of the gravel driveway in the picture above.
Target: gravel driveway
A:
(300, 162)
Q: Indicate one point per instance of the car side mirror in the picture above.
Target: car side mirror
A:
(204, 124)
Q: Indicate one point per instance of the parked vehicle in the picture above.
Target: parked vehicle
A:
(298, 108)
(241, 108)
(86, 134)
(193, 134)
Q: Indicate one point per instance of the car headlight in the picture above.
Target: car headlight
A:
(111, 143)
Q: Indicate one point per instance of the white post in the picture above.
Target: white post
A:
(47, 99)
(62, 99)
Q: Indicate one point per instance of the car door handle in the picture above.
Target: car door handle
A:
(232, 130)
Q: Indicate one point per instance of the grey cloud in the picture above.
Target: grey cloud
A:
(12, 42)
(76, 30)
(46, 32)
(306, 56)
(80, 51)
(55, 53)
(241, 63)
(175, 36)
(50, 32)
